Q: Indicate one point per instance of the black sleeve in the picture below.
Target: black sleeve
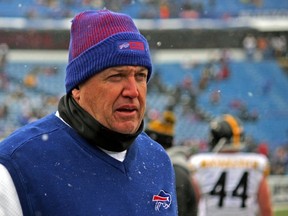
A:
(185, 193)
(165, 140)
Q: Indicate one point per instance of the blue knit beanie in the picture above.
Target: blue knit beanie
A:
(102, 39)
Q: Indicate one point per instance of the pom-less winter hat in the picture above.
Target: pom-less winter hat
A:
(102, 39)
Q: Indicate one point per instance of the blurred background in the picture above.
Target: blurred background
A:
(210, 57)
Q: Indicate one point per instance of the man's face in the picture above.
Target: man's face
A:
(116, 97)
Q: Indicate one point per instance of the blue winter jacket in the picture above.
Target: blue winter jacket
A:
(57, 173)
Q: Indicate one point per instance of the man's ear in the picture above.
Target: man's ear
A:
(76, 93)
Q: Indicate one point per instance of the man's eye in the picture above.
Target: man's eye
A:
(115, 77)
(141, 76)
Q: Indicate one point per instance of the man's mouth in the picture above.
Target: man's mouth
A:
(126, 109)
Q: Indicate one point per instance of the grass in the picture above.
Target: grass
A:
(283, 211)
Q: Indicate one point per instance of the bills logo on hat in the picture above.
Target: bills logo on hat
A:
(163, 199)
(131, 45)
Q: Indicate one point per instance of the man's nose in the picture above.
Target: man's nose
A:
(130, 88)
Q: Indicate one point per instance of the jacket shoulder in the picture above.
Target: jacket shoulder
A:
(27, 134)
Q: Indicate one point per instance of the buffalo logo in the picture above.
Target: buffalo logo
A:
(124, 46)
(162, 199)
(131, 45)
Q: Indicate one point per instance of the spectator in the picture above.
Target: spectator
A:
(164, 10)
(249, 45)
(4, 51)
(224, 72)
(279, 162)
(31, 80)
(215, 97)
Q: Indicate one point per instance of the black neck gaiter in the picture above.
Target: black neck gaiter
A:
(89, 128)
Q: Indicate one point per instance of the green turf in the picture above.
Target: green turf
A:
(281, 212)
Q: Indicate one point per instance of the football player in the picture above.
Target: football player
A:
(231, 181)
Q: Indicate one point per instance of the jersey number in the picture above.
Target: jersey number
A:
(239, 191)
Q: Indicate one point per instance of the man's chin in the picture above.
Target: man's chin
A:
(127, 128)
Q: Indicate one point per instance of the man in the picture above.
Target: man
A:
(91, 156)
(231, 182)
(186, 188)
(162, 131)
